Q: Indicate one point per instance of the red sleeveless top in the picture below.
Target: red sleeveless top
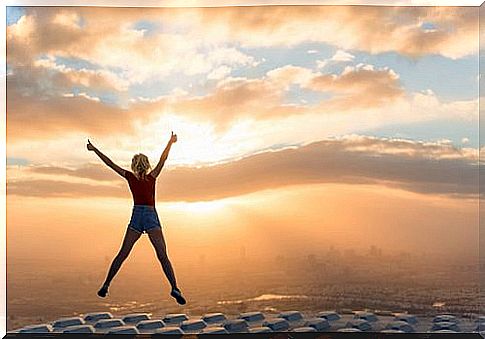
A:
(143, 191)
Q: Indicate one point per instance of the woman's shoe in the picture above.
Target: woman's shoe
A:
(103, 291)
(178, 296)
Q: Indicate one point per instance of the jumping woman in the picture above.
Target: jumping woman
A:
(144, 216)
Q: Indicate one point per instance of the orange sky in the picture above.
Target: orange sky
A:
(308, 219)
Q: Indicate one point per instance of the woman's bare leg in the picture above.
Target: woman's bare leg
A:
(130, 239)
(158, 242)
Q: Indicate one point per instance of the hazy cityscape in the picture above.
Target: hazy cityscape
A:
(336, 279)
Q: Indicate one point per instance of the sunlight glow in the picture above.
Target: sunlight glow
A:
(199, 207)
(198, 141)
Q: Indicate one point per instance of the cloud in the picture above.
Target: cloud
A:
(35, 114)
(366, 28)
(357, 87)
(82, 94)
(116, 43)
(205, 41)
(44, 107)
(339, 56)
(63, 189)
(427, 168)
(219, 73)
(94, 79)
(87, 171)
(361, 86)
(289, 74)
(193, 39)
(342, 56)
(234, 98)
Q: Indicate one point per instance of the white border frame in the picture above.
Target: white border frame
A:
(146, 3)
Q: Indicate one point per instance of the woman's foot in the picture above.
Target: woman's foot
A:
(103, 291)
(178, 296)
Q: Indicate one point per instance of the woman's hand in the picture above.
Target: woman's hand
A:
(90, 146)
(173, 138)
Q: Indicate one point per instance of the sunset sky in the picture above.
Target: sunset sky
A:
(315, 126)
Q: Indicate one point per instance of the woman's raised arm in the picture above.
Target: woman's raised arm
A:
(156, 171)
(106, 160)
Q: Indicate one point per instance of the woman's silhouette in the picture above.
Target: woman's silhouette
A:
(144, 217)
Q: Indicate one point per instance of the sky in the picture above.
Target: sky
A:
(277, 109)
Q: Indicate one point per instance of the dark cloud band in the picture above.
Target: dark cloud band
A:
(413, 166)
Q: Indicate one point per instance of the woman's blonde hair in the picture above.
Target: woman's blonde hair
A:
(140, 166)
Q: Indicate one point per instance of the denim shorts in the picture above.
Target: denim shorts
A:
(144, 218)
